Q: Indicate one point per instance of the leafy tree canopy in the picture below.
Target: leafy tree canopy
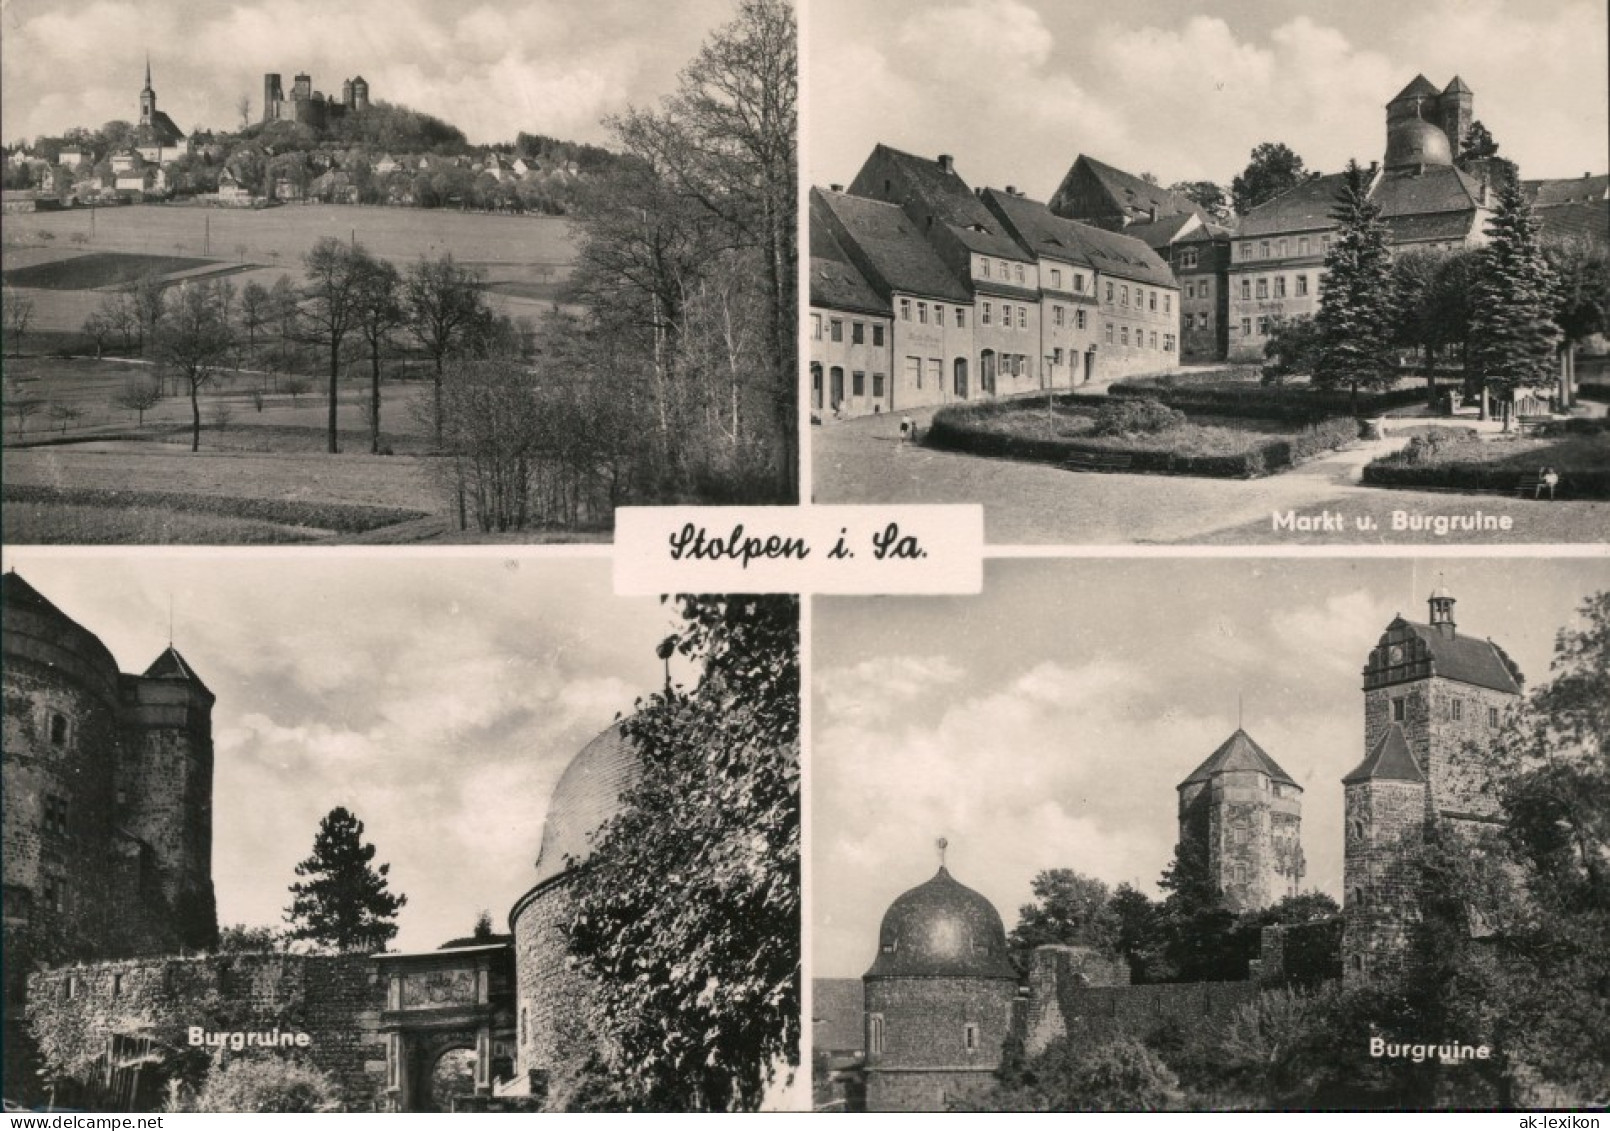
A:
(687, 915)
(1273, 169)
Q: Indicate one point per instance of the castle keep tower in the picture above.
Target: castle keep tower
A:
(1426, 127)
(164, 787)
(1245, 813)
(1433, 703)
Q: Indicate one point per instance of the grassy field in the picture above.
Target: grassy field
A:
(97, 269)
(283, 423)
(261, 476)
(526, 259)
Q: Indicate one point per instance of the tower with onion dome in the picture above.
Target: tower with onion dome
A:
(941, 998)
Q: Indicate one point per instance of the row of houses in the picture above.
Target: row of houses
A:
(925, 292)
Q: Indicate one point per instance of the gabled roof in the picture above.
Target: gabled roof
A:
(1433, 226)
(836, 282)
(1587, 220)
(1239, 752)
(944, 194)
(1570, 190)
(1466, 658)
(161, 131)
(1134, 194)
(1304, 207)
(1158, 234)
(171, 665)
(1389, 760)
(886, 245)
(1042, 232)
(1420, 88)
(1439, 188)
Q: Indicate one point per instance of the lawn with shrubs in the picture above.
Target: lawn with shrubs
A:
(1136, 433)
(1578, 450)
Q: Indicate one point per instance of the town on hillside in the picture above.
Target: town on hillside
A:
(301, 145)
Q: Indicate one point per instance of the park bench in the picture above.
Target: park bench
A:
(1531, 482)
(1533, 421)
(1098, 461)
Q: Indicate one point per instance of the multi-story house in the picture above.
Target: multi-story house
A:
(931, 313)
(850, 325)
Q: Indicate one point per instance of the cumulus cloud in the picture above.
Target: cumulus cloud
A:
(1015, 90)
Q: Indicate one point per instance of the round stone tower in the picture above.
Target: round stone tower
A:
(60, 755)
(941, 998)
(549, 993)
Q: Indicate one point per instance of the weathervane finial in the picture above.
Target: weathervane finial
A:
(941, 844)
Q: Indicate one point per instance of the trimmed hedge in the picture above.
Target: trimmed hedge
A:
(1484, 477)
(949, 431)
(1284, 404)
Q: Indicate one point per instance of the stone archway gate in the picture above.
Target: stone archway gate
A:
(441, 1000)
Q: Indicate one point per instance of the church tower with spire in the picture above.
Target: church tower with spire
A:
(1241, 816)
(148, 98)
(1434, 700)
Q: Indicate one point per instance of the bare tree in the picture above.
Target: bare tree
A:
(379, 311)
(196, 341)
(138, 394)
(22, 408)
(243, 108)
(255, 311)
(17, 316)
(330, 303)
(97, 328)
(65, 414)
(444, 304)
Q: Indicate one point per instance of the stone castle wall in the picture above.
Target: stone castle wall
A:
(926, 1020)
(335, 999)
(1106, 1013)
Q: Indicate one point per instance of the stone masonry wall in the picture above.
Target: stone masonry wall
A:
(335, 999)
(923, 1091)
(550, 995)
(1056, 972)
(1385, 827)
(925, 1022)
(1107, 1013)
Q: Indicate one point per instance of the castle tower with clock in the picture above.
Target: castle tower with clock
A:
(1434, 701)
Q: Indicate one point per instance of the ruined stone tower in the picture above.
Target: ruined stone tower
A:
(1245, 812)
(1433, 703)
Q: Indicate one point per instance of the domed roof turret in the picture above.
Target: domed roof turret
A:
(588, 794)
(942, 928)
(1415, 141)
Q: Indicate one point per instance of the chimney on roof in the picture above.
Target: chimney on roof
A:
(947, 162)
(1011, 190)
(836, 188)
(1151, 214)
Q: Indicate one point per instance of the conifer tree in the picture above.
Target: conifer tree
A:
(1513, 336)
(1356, 318)
(343, 903)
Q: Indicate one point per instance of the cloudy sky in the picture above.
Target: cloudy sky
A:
(438, 698)
(1016, 89)
(552, 67)
(1047, 722)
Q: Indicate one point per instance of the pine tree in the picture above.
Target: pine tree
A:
(1513, 337)
(1355, 316)
(344, 902)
